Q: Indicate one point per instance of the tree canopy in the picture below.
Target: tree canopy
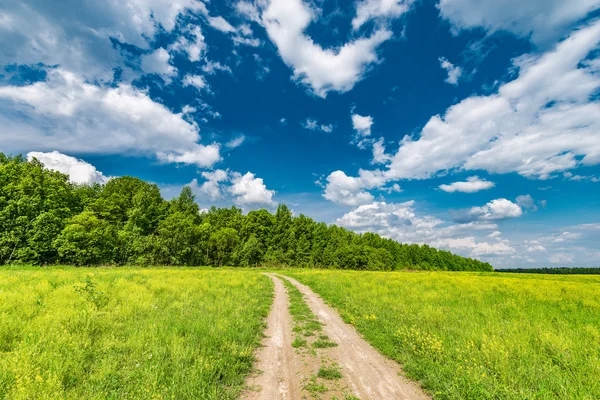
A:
(45, 219)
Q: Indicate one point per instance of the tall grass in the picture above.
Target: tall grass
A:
(128, 333)
(477, 335)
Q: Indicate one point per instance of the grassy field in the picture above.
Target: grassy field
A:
(128, 333)
(477, 335)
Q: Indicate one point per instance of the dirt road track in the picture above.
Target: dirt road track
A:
(368, 374)
(277, 380)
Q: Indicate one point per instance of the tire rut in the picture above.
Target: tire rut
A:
(284, 370)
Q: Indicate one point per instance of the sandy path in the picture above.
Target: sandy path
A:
(277, 379)
(370, 375)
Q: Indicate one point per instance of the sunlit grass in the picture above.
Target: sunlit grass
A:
(129, 333)
(477, 335)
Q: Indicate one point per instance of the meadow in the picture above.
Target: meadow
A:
(476, 335)
(101, 333)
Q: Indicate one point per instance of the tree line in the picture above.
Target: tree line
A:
(46, 219)
(554, 271)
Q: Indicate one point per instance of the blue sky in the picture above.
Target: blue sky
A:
(471, 126)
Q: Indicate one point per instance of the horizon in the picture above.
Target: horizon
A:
(471, 127)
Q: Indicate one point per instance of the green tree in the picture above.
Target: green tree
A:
(252, 252)
(86, 240)
(222, 243)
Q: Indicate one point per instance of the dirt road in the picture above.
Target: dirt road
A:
(285, 371)
(277, 378)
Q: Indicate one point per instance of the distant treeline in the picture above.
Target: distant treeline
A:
(557, 271)
(45, 219)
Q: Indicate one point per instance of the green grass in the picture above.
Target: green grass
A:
(314, 387)
(477, 335)
(128, 333)
(331, 372)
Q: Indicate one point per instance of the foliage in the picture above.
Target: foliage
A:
(45, 219)
(554, 271)
(476, 335)
(128, 333)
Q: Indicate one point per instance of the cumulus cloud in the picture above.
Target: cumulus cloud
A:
(495, 210)
(472, 185)
(322, 70)
(362, 124)
(157, 62)
(78, 37)
(195, 46)
(527, 202)
(401, 222)
(476, 248)
(379, 154)
(196, 81)
(349, 191)
(79, 171)
(212, 185)
(224, 188)
(249, 190)
(372, 9)
(561, 258)
(454, 71)
(542, 21)
(67, 114)
(543, 122)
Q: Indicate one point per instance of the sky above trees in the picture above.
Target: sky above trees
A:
(470, 126)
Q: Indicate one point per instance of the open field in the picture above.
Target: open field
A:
(116, 333)
(129, 333)
(477, 335)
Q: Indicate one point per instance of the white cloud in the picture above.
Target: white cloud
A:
(66, 114)
(542, 21)
(249, 190)
(221, 24)
(313, 125)
(472, 185)
(187, 109)
(561, 258)
(379, 154)
(395, 188)
(242, 35)
(77, 37)
(323, 70)
(454, 71)
(401, 222)
(327, 128)
(157, 62)
(212, 185)
(200, 155)
(196, 81)
(536, 248)
(527, 202)
(475, 248)
(370, 9)
(195, 47)
(236, 142)
(544, 122)
(362, 125)
(79, 171)
(213, 66)
(495, 210)
(342, 189)
(223, 188)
